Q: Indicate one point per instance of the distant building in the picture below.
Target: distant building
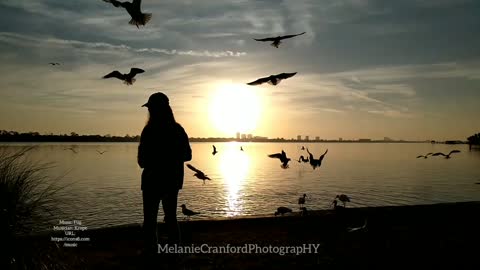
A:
(238, 135)
(243, 136)
(260, 138)
(299, 137)
(340, 139)
(249, 136)
(364, 140)
(307, 138)
(387, 139)
(317, 138)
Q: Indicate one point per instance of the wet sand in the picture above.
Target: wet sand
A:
(421, 236)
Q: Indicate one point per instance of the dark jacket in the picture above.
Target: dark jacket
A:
(161, 154)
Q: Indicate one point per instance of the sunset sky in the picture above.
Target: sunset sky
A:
(366, 69)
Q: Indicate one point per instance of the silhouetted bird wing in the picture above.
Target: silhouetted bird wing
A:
(283, 76)
(135, 71)
(277, 155)
(260, 81)
(438, 154)
(136, 4)
(194, 169)
(115, 74)
(322, 156)
(420, 156)
(290, 36)
(266, 39)
(113, 2)
(428, 154)
(454, 151)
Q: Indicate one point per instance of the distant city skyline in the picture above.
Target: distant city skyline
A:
(365, 69)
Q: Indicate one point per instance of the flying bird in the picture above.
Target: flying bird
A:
(343, 198)
(316, 162)
(282, 210)
(126, 78)
(71, 149)
(101, 152)
(273, 79)
(138, 18)
(425, 155)
(199, 174)
(301, 200)
(188, 212)
(54, 63)
(214, 150)
(446, 156)
(277, 40)
(302, 159)
(283, 158)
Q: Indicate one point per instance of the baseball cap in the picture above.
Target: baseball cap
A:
(157, 99)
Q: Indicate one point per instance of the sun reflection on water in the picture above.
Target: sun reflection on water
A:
(234, 168)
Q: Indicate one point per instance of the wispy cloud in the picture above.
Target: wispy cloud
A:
(22, 40)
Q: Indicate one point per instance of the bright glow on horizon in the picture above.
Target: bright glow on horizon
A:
(235, 108)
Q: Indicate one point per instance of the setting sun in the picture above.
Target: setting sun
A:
(235, 108)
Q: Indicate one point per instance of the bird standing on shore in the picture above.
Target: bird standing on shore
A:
(283, 158)
(214, 150)
(425, 155)
(336, 206)
(188, 212)
(343, 198)
(277, 40)
(316, 162)
(282, 210)
(126, 78)
(301, 200)
(273, 79)
(138, 18)
(199, 174)
(446, 156)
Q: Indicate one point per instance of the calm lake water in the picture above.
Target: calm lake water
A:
(104, 190)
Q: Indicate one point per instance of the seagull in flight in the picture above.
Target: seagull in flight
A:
(277, 40)
(273, 79)
(316, 162)
(425, 155)
(214, 150)
(282, 210)
(126, 78)
(446, 156)
(138, 18)
(302, 159)
(71, 149)
(199, 174)
(54, 63)
(101, 152)
(283, 158)
(188, 212)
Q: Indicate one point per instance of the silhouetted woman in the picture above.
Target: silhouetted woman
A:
(163, 149)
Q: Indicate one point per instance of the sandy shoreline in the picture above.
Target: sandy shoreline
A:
(440, 235)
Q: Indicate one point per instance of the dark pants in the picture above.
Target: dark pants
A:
(151, 202)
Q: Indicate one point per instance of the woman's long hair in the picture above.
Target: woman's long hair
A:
(161, 116)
